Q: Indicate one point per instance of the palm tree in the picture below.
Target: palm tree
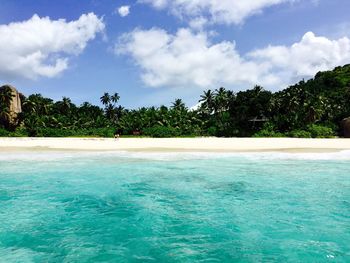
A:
(207, 100)
(221, 100)
(178, 104)
(119, 111)
(105, 99)
(115, 98)
(38, 104)
(65, 105)
(110, 113)
(29, 106)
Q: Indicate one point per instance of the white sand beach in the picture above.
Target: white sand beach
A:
(177, 144)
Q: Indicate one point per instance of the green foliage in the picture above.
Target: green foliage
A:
(4, 133)
(299, 134)
(161, 132)
(212, 131)
(342, 74)
(54, 132)
(319, 131)
(322, 100)
(313, 131)
(312, 108)
(230, 113)
(99, 132)
(268, 130)
(19, 132)
(112, 112)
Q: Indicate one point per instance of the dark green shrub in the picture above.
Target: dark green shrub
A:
(268, 131)
(4, 133)
(19, 132)
(161, 132)
(100, 132)
(318, 131)
(299, 134)
(212, 131)
(93, 132)
(52, 132)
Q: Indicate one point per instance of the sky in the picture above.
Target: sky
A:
(154, 51)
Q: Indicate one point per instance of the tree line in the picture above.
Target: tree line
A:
(312, 108)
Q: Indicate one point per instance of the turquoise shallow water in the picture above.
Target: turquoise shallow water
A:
(119, 207)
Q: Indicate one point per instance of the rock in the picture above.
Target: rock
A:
(14, 105)
(345, 126)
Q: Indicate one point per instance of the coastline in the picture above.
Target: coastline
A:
(200, 144)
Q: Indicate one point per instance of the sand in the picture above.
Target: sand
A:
(209, 144)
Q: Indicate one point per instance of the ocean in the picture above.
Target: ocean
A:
(174, 207)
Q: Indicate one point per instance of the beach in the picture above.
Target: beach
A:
(209, 144)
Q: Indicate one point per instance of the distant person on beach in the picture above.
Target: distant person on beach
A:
(117, 134)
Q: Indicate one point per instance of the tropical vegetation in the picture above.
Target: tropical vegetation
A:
(312, 108)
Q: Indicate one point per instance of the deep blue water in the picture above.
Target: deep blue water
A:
(119, 207)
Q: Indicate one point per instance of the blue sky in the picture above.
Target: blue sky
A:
(162, 49)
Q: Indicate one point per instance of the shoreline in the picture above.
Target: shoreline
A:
(198, 144)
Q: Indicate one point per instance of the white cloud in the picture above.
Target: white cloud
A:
(124, 10)
(41, 47)
(215, 11)
(198, 23)
(305, 58)
(188, 59)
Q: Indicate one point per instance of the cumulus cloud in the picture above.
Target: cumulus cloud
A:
(305, 58)
(41, 47)
(124, 10)
(188, 59)
(215, 11)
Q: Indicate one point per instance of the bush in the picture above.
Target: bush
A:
(19, 132)
(212, 131)
(268, 131)
(161, 132)
(100, 132)
(300, 134)
(94, 132)
(53, 132)
(4, 133)
(318, 131)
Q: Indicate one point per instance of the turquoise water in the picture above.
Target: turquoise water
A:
(120, 207)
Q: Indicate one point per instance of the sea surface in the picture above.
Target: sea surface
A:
(174, 207)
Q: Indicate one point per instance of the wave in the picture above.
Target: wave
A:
(49, 156)
(341, 155)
